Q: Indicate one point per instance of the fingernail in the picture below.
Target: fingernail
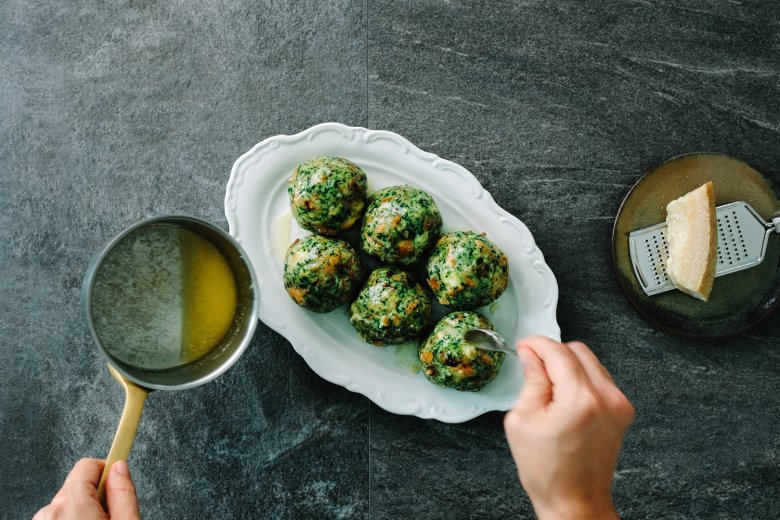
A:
(120, 467)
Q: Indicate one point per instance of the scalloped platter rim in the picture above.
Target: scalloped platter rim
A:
(257, 210)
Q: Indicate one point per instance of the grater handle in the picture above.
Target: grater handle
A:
(776, 223)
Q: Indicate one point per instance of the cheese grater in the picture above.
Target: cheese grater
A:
(742, 239)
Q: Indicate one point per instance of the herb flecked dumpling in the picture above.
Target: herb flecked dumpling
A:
(327, 194)
(465, 270)
(391, 308)
(321, 273)
(400, 225)
(449, 360)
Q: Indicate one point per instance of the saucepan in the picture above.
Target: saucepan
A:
(171, 303)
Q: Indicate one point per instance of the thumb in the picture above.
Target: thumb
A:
(120, 493)
(537, 388)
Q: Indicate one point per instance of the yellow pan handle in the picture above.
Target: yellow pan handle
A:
(128, 426)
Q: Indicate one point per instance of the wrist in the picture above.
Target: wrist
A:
(576, 511)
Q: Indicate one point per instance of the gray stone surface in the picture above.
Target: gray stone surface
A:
(112, 113)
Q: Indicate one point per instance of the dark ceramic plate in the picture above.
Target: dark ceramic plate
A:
(739, 300)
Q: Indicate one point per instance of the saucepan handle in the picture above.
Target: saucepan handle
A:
(135, 396)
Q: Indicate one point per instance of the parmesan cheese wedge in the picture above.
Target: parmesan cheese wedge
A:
(692, 237)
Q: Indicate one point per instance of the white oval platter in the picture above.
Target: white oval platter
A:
(257, 210)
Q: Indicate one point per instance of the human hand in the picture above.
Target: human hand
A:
(78, 500)
(566, 429)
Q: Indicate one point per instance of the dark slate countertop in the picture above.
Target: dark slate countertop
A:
(114, 113)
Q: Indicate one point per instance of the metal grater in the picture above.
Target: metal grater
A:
(742, 239)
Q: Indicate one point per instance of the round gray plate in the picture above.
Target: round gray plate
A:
(739, 300)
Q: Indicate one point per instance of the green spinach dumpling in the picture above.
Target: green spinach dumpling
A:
(449, 360)
(466, 270)
(321, 273)
(327, 194)
(400, 225)
(391, 307)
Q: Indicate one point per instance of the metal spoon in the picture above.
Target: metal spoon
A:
(487, 340)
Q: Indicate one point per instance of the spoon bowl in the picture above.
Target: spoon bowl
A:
(488, 340)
